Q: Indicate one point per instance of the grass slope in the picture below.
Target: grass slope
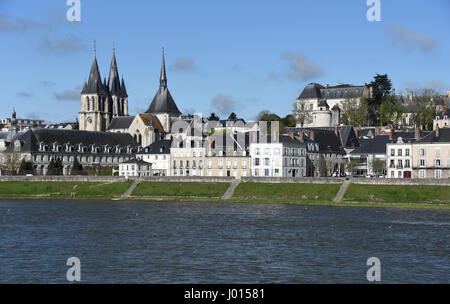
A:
(161, 189)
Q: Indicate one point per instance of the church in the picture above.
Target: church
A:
(104, 107)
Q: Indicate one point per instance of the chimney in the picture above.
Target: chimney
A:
(336, 130)
(291, 134)
(391, 134)
(438, 131)
(357, 133)
(418, 133)
(302, 135)
(375, 131)
(311, 135)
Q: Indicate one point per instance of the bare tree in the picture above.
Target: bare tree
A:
(423, 107)
(302, 113)
(11, 159)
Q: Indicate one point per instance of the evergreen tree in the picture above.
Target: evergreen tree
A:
(51, 167)
(232, 116)
(213, 116)
(26, 167)
(381, 87)
(59, 166)
(77, 168)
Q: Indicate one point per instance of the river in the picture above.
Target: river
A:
(161, 242)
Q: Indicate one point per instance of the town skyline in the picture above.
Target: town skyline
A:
(209, 68)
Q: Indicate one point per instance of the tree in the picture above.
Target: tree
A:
(77, 168)
(76, 125)
(26, 167)
(391, 110)
(423, 110)
(381, 87)
(323, 168)
(268, 117)
(213, 116)
(11, 159)
(232, 116)
(378, 166)
(302, 112)
(51, 167)
(59, 166)
(354, 112)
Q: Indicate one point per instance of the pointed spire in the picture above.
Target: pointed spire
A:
(114, 80)
(163, 78)
(94, 84)
(124, 88)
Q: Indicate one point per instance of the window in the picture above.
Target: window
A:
(407, 164)
(422, 152)
(400, 152)
(220, 164)
(422, 163)
(266, 172)
(256, 161)
(437, 173)
(407, 152)
(266, 161)
(276, 172)
(437, 163)
(392, 152)
(400, 164)
(209, 164)
(257, 151)
(392, 174)
(399, 174)
(421, 173)
(244, 164)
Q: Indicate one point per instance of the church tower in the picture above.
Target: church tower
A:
(163, 105)
(100, 102)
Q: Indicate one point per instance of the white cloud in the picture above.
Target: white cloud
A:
(409, 40)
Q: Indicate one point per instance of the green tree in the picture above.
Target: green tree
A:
(354, 111)
(302, 112)
(378, 166)
(51, 170)
(381, 87)
(423, 108)
(232, 116)
(323, 168)
(268, 117)
(76, 125)
(391, 110)
(213, 116)
(77, 168)
(26, 167)
(59, 166)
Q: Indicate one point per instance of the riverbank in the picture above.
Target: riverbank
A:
(364, 195)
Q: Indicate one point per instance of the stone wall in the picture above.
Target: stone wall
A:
(203, 179)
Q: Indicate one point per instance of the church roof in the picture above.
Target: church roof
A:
(114, 80)
(163, 101)
(120, 122)
(94, 84)
(151, 120)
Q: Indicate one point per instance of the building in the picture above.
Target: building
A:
(95, 149)
(101, 102)
(22, 123)
(135, 168)
(188, 157)
(313, 96)
(145, 128)
(228, 155)
(442, 119)
(426, 157)
(163, 104)
(158, 155)
(278, 156)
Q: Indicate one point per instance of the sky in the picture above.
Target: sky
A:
(241, 56)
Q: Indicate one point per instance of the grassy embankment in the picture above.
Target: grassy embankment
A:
(62, 190)
(430, 197)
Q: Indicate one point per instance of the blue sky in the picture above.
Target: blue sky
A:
(243, 56)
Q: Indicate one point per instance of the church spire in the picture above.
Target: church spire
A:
(94, 84)
(114, 80)
(163, 78)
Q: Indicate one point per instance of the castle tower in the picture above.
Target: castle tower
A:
(322, 115)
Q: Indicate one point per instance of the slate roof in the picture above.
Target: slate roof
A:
(151, 120)
(94, 84)
(137, 162)
(317, 91)
(161, 146)
(444, 112)
(120, 122)
(327, 139)
(163, 101)
(323, 103)
(444, 137)
(74, 137)
(377, 145)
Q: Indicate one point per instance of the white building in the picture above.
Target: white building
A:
(282, 157)
(187, 158)
(158, 155)
(135, 168)
(399, 159)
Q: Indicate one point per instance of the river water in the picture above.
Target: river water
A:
(160, 242)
